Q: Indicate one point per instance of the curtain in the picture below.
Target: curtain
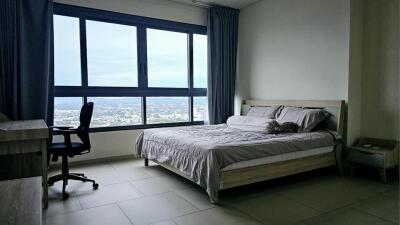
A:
(26, 59)
(222, 45)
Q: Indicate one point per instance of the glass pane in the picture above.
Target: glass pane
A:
(200, 108)
(67, 59)
(167, 59)
(111, 54)
(67, 110)
(116, 111)
(167, 109)
(199, 61)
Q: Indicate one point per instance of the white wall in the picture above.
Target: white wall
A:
(324, 49)
(380, 76)
(294, 50)
(121, 143)
(354, 108)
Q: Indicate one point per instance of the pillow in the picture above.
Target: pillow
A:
(264, 111)
(307, 119)
(248, 123)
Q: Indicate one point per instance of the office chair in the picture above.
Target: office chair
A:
(70, 149)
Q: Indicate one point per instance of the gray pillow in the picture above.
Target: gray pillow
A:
(269, 112)
(307, 119)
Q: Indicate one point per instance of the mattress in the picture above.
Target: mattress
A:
(279, 158)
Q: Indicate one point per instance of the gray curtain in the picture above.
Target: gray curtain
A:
(26, 58)
(222, 45)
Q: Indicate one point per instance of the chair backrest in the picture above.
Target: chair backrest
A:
(85, 118)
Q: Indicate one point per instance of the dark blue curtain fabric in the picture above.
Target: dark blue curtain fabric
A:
(222, 54)
(26, 58)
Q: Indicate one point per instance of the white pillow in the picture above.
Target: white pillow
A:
(269, 112)
(248, 123)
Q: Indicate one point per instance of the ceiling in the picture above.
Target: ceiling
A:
(237, 4)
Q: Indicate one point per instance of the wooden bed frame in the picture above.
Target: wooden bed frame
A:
(248, 175)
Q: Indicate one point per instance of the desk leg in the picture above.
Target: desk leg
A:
(44, 175)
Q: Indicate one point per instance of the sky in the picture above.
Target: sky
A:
(112, 55)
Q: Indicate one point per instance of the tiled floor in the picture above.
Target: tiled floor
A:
(131, 194)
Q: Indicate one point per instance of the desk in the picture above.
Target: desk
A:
(21, 202)
(23, 151)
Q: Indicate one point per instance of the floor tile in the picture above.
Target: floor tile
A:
(346, 216)
(157, 185)
(165, 222)
(332, 192)
(92, 168)
(104, 215)
(73, 188)
(216, 216)
(108, 194)
(394, 194)
(59, 206)
(121, 175)
(129, 163)
(155, 208)
(196, 196)
(156, 170)
(382, 206)
(275, 209)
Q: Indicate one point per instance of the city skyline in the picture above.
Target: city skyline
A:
(125, 111)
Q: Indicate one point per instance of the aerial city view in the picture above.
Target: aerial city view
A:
(123, 111)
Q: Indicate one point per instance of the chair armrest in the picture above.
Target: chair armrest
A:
(64, 132)
(61, 127)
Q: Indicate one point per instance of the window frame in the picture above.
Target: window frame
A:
(142, 90)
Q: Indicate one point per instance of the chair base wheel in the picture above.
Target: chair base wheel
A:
(65, 196)
(95, 185)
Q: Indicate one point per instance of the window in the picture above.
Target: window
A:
(67, 110)
(167, 109)
(111, 54)
(167, 56)
(116, 111)
(200, 108)
(67, 61)
(139, 72)
(199, 61)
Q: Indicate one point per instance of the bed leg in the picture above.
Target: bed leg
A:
(146, 162)
(338, 154)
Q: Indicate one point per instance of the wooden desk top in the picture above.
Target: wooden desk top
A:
(21, 201)
(19, 130)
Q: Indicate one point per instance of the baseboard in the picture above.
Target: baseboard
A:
(90, 161)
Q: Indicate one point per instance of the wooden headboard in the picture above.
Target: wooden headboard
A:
(334, 107)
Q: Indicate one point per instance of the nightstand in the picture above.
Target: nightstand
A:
(378, 153)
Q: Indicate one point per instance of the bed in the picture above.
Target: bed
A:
(218, 157)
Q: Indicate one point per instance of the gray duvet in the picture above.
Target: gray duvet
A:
(200, 152)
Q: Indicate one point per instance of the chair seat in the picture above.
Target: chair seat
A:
(60, 148)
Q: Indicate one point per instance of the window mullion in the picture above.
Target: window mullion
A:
(142, 57)
(142, 66)
(83, 44)
(144, 116)
(190, 74)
